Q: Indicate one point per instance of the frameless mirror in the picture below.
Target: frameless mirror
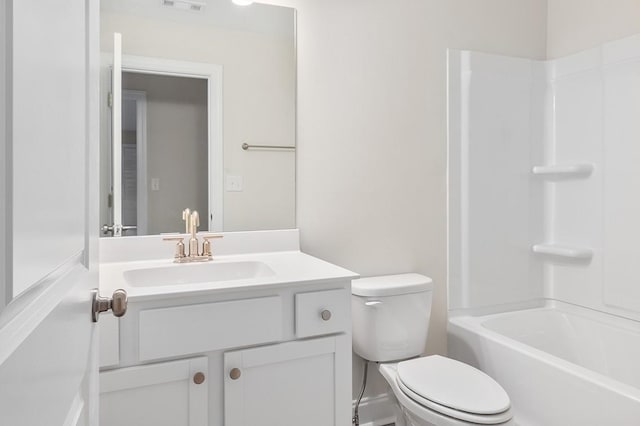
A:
(199, 113)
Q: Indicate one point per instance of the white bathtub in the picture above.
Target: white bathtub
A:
(561, 364)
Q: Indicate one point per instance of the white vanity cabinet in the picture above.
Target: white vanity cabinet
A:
(279, 357)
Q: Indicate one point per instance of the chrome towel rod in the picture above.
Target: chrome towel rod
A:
(246, 146)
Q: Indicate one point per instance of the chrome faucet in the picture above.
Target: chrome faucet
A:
(192, 221)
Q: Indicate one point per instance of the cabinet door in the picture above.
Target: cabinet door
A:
(163, 394)
(291, 384)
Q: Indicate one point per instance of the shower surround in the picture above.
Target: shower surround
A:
(543, 215)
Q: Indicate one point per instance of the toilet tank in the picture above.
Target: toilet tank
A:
(391, 316)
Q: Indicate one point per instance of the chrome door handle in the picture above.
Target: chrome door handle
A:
(116, 304)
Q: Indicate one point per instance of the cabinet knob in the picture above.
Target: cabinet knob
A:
(198, 378)
(326, 315)
(235, 373)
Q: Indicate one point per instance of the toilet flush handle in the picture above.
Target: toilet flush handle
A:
(373, 302)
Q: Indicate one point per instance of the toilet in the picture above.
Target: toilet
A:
(390, 323)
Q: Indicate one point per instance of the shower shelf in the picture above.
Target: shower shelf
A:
(581, 169)
(559, 250)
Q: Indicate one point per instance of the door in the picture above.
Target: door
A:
(48, 362)
(173, 393)
(134, 161)
(116, 135)
(289, 384)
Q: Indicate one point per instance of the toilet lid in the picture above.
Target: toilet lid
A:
(453, 384)
(391, 285)
(481, 419)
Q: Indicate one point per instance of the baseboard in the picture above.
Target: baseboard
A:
(376, 410)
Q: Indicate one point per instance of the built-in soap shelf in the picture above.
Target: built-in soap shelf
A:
(565, 251)
(564, 170)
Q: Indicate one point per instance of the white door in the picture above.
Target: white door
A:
(48, 361)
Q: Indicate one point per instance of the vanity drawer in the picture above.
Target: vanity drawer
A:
(322, 312)
(192, 329)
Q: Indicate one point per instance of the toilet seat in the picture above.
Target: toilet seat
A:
(484, 419)
(454, 389)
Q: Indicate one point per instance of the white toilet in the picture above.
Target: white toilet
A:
(390, 323)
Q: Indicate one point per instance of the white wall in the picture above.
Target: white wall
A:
(372, 127)
(575, 25)
(259, 106)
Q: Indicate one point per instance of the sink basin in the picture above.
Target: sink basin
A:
(196, 273)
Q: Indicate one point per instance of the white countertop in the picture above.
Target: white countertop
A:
(289, 267)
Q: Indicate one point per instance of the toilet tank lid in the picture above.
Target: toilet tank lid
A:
(391, 285)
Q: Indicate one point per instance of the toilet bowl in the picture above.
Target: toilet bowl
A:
(390, 323)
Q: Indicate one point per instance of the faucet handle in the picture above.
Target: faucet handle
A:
(195, 222)
(186, 216)
(206, 244)
(179, 246)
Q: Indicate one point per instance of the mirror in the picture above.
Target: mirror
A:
(205, 115)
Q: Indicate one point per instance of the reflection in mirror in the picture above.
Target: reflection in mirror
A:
(176, 160)
(196, 86)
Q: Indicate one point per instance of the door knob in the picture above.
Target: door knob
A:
(117, 230)
(117, 304)
(326, 315)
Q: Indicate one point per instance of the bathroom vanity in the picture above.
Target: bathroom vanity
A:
(261, 335)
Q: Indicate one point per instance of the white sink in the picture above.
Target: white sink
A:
(196, 273)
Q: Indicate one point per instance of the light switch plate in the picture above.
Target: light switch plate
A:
(234, 183)
(155, 184)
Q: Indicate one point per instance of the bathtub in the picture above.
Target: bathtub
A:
(560, 364)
